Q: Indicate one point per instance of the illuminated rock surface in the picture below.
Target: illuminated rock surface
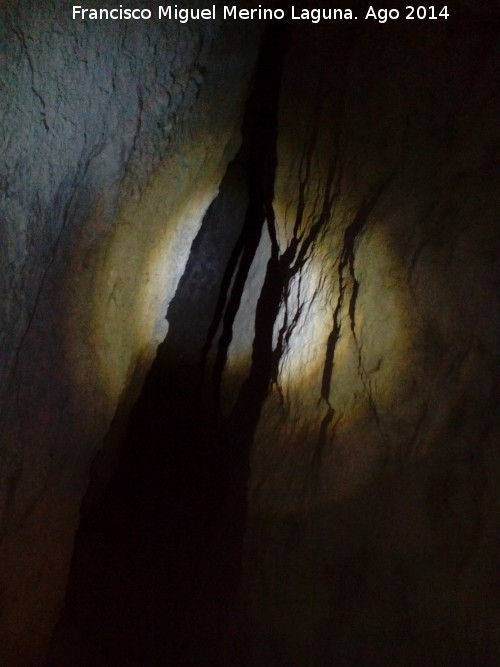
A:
(342, 297)
(372, 531)
(114, 142)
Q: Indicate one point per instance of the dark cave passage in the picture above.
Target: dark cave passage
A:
(156, 567)
(155, 577)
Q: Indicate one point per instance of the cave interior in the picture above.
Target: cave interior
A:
(250, 385)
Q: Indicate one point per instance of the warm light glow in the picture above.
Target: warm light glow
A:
(370, 368)
(130, 278)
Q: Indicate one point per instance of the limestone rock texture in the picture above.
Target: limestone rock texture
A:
(353, 336)
(373, 500)
(113, 143)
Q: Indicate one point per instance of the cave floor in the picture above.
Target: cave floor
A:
(154, 577)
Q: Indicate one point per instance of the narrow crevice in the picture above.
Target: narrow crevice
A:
(162, 552)
(282, 269)
(347, 258)
(258, 155)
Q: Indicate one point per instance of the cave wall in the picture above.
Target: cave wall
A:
(373, 529)
(114, 142)
(363, 354)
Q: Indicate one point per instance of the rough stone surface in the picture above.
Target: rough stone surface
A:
(373, 523)
(361, 361)
(114, 142)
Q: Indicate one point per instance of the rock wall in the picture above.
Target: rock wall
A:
(114, 142)
(359, 327)
(373, 493)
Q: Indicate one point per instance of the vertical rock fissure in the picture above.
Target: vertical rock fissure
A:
(282, 269)
(258, 154)
(346, 261)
